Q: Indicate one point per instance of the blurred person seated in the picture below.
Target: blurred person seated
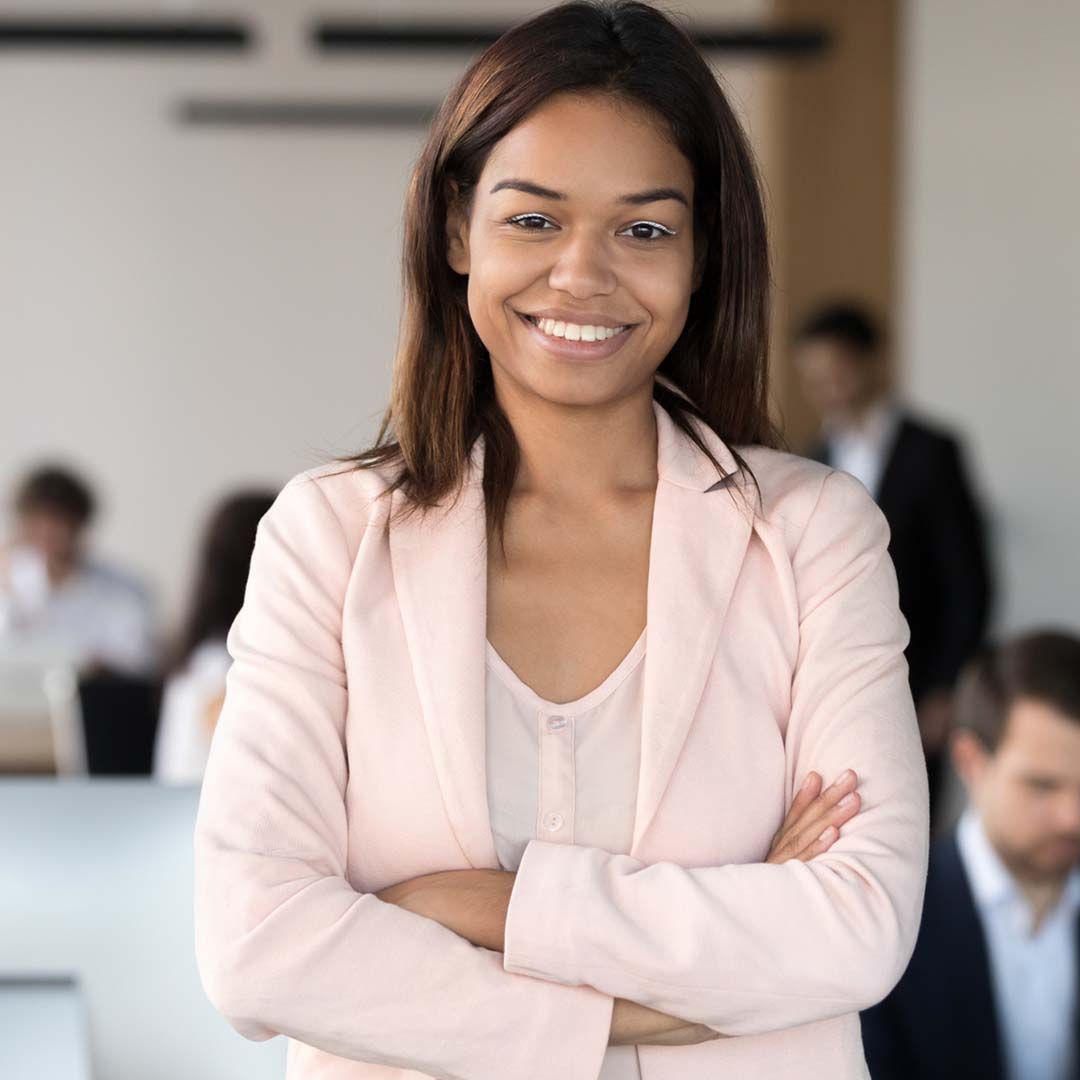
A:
(915, 472)
(58, 604)
(195, 683)
(991, 988)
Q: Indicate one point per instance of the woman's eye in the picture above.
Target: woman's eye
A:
(522, 220)
(651, 228)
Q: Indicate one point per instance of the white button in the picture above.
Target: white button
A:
(556, 723)
(553, 822)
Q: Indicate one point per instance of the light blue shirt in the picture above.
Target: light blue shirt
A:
(1033, 974)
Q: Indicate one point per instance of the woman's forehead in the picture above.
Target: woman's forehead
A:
(581, 146)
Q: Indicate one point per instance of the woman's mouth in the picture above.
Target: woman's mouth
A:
(577, 341)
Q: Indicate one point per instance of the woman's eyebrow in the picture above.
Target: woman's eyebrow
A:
(637, 198)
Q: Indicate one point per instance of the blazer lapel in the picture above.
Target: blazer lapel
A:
(895, 469)
(440, 572)
(972, 1022)
(700, 532)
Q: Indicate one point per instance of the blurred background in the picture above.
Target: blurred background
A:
(200, 223)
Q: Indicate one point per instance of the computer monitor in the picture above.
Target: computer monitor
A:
(98, 890)
(43, 1029)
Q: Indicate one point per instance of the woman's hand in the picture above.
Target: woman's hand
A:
(634, 1024)
(813, 822)
(471, 903)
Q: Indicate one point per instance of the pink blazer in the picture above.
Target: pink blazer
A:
(350, 755)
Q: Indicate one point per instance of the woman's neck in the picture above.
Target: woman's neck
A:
(582, 453)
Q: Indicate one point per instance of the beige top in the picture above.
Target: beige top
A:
(566, 773)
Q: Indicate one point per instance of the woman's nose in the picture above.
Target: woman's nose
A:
(583, 266)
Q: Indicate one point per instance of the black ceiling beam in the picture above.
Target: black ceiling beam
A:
(128, 34)
(223, 112)
(353, 35)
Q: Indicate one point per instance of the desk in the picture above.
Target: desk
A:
(43, 1029)
(98, 888)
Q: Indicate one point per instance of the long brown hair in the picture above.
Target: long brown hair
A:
(442, 393)
(221, 572)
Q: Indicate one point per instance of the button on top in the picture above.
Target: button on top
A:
(553, 822)
(556, 723)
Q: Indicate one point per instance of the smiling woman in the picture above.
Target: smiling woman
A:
(591, 141)
(521, 771)
(624, 280)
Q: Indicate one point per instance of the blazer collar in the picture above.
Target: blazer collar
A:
(700, 532)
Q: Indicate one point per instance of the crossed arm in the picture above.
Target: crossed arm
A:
(474, 903)
(287, 946)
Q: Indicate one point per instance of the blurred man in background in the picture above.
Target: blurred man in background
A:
(57, 603)
(991, 989)
(917, 476)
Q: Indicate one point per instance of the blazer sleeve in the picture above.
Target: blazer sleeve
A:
(751, 948)
(284, 943)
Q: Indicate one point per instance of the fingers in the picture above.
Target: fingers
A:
(813, 823)
(809, 791)
(837, 803)
(804, 798)
(820, 845)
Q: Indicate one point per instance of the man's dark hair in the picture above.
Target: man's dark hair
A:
(848, 322)
(1043, 665)
(58, 490)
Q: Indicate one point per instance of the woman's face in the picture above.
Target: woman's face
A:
(580, 226)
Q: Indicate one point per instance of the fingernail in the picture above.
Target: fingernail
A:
(826, 834)
(847, 800)
(806, 782)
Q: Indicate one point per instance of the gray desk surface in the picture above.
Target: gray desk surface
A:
(43, 1030)
(97, 886)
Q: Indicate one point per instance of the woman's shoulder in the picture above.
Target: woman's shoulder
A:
(794, 489)
(336, 493)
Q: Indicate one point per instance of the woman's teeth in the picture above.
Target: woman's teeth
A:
(575, 331)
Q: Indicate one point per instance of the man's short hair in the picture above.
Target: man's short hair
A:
(56, 489)
(848, 322)
(1043, 666)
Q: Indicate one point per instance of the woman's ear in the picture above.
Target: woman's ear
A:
(457, 231)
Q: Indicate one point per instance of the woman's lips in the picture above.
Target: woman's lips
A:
(577, 350)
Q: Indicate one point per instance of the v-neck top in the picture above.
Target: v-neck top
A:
(566, 773)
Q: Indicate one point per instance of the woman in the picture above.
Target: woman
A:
(441, 667)
(194, 688)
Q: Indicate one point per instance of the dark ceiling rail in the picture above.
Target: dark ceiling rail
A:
(350, 36)
(221, 112)
(128, 34)
(792, 41)
(355, 35)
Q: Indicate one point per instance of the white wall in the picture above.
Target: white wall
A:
(990, 271)
(187, 309)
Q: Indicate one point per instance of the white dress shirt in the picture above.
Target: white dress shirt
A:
(182, 744)
(1033, 974)
(863, 450)
(566, 773)
(97, 612)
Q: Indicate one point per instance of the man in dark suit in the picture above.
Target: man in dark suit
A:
(990, 992)
(916, 473)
